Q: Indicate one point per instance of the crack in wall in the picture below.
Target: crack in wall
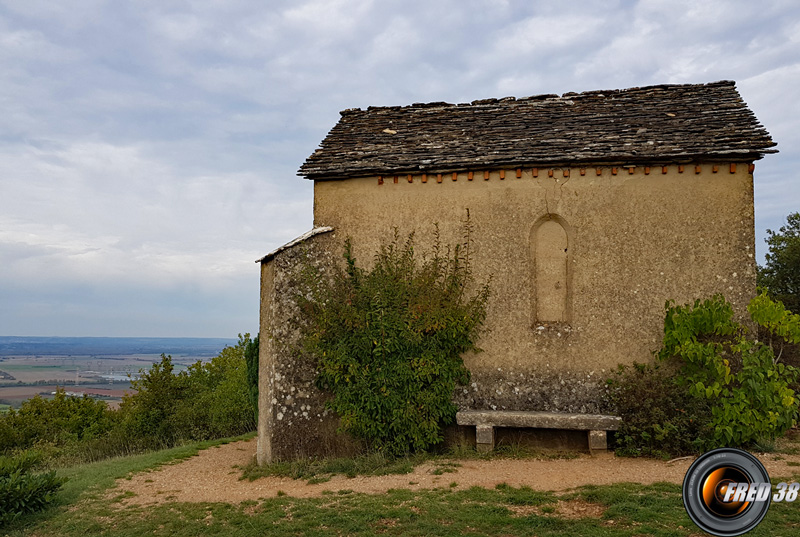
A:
(558, 197)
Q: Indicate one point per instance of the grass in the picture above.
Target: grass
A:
(511, 450)
(321, 470)
(595, 511)
(445, 467)
(614, 511)
(86, 483)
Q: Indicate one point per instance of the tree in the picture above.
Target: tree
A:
(218, 402)
(147, 414)
(207, 400)
(781, 273)
(251, 358)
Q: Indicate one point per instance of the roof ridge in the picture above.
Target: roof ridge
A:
(538, 97)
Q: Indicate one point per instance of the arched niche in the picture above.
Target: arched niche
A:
(552, 272)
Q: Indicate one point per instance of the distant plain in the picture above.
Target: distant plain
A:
(31, 366)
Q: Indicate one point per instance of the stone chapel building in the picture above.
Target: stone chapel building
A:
(589, 211)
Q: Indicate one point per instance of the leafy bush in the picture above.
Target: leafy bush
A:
(748, 389)
(21, 491)
(58, 421)
(147, 415)
(779, 328)
(741, 380)
(218, 401)
(389, 341)
(660, 417)
(21, 463)
(208, 400)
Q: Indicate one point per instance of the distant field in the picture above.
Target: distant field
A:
(94, 368)
(101, 367)
(106, 376)
(16, 395)
(29, 369)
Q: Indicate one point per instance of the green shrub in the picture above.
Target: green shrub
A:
(741, 383)
(660, 417)
(218, 402)
(779, 328)
(146, 416)
(21, 491)
(10, 437)
(389, 341)
(58, 421)
(748, 389)
(208, 400)
(21, 463)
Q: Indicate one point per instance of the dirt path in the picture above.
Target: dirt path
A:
(211, 476)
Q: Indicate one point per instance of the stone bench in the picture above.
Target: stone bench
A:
(486, 420)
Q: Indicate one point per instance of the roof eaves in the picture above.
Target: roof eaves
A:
(723, 155)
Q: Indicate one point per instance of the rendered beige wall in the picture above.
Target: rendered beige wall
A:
(634, 241)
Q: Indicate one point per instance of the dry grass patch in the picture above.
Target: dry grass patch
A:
(569, 509)
(577, 508)
(383, 525)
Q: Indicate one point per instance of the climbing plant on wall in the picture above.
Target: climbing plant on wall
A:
(388, 339)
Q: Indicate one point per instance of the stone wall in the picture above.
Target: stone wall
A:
(635, 238)
(293, 421)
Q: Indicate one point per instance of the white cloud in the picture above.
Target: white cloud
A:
(149, 149)
(327, 19)
(545, 35)
(180, 26)
(115, 212)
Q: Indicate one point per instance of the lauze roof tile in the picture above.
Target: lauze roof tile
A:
(654, 124)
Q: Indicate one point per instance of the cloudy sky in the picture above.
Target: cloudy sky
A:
(148, 149)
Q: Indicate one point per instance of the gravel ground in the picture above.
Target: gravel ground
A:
(212, 476)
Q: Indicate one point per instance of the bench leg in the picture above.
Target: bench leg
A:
(597, 441)
(484, 438)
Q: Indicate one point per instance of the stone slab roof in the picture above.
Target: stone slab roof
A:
(302, 238)
(655, 124)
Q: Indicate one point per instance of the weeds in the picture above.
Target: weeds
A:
(320, 470)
